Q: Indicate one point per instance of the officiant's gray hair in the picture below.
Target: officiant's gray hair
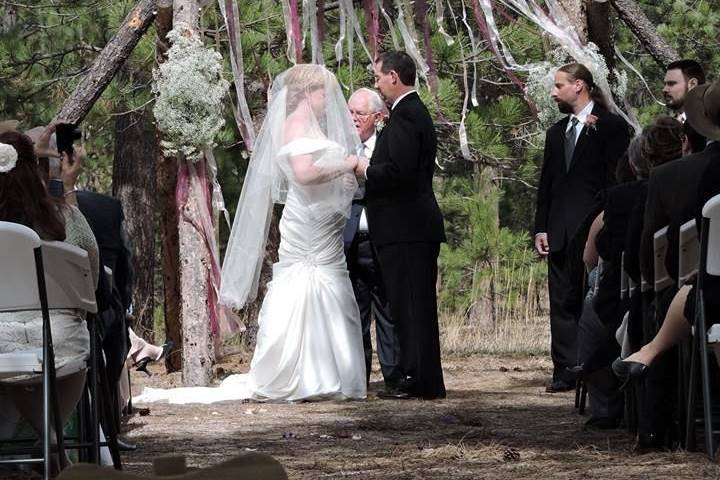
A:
(376, 102)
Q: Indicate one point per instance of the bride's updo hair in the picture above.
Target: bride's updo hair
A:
(302, 79)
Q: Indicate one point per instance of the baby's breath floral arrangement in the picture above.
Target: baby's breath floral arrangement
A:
(541, 77)
(189, 89)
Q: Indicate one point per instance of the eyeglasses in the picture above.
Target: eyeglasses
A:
(362, 116)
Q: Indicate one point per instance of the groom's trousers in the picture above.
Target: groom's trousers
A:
(372, 301)
(409, 271)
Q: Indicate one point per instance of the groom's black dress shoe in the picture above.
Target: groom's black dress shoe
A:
(398, 390)
(394, 394)
(559, 386)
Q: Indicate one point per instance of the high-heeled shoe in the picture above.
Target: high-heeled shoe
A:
(141, 365)
(625, 370)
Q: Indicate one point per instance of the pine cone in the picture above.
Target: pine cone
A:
(511, 455)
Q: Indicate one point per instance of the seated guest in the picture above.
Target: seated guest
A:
(704, 108)
(659, 146)
(660, 142)
(25, 200)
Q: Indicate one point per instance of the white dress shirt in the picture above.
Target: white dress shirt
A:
(582, 118)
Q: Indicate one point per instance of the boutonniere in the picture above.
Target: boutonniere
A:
(591, 123)
(379, 125)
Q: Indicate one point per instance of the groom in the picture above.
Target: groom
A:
(406, 225)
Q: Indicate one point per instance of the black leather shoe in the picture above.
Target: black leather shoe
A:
(394, 393)
(558, 386)
(602, 423)
(627, 369)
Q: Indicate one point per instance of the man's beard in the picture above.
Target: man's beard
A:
(564, 107)
(673, 104)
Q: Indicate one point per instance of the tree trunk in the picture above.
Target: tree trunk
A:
(108, 62)
(167, 168)
(600, 31)
(195, 257)
(645, 31)
(575, 10)
(134, 185)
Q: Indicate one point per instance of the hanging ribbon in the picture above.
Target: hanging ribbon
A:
(421, 15)
(310, 20)
(462, 130)
(292, 30)
(242, 115)
(372, 17)
(391, 26)
(351, 51)
(204, 226)
(410, 44)
(353, 21)
(475, 51)
(320, 20)
(440, 20)
(218, 202)
(487, 29)
(341, 39)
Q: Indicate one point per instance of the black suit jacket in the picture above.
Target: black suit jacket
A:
(565, 196)
(401, 205)
(105, 216)
(672, 200)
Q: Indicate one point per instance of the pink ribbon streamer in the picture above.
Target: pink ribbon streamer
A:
(485, 32)
(372, 16)
(204, 227)
(292, 28)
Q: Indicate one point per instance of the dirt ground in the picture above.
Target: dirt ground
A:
(496, 408)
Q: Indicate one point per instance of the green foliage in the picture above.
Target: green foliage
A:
(478, 249)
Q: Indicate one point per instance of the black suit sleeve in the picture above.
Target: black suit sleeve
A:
(616, 144)
(405, 140)
(542, 208)
(125, 275)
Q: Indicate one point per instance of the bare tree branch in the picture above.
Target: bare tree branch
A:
(631, 13)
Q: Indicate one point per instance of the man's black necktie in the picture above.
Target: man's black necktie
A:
(570, 142)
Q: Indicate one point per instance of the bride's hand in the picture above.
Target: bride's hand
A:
(349, 183)
(351, 162)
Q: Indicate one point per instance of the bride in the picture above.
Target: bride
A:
(309, 343)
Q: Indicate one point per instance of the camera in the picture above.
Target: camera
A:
(66, 134)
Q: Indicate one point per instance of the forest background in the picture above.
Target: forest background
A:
(492, 285)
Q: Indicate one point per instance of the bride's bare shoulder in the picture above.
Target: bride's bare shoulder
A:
(295, 127)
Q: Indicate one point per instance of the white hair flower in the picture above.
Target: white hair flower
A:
(8, 157)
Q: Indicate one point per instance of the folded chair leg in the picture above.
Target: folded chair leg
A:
(583, 398)
(57, 420)
(705, 375)
(690, 437)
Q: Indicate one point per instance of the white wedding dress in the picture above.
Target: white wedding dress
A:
(309, 344)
